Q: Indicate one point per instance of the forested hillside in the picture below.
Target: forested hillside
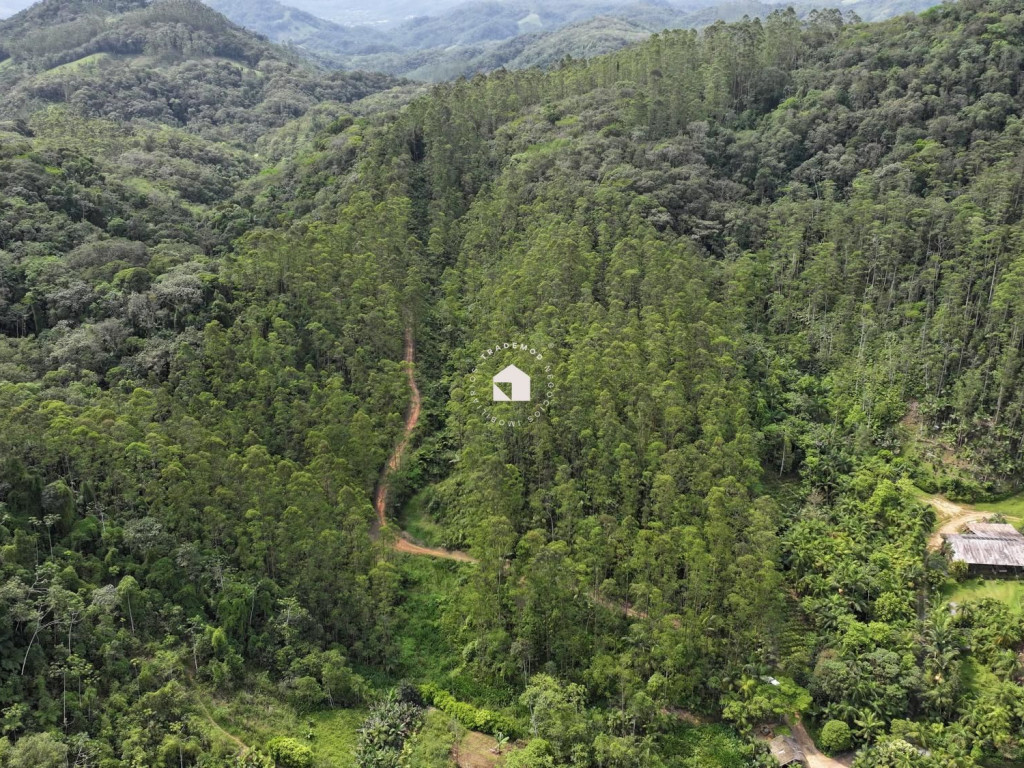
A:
(482, 35)
(774, 267)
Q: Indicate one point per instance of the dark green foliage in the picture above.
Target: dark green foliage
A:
(174, 62)
(773, 267)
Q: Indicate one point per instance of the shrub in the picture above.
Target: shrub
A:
(383, 734)
(303, 693)
(474, 718)
(290, 753)
(835, 737)
(958, 569)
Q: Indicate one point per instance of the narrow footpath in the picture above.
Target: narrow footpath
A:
(380, 501)
(403, 544)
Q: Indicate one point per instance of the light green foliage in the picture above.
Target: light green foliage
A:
(756, 701)
(290, 753)
(390, 725)
(536, 754)
(835, 737)
(469, 716)
(38, 750)
(431, 747)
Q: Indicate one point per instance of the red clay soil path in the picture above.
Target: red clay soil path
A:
(380, 501)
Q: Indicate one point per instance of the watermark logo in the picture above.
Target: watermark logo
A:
(513, 383)
(520, 385)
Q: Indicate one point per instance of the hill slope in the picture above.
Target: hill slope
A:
(476, 36)
(767, 274)
(285, 24)
(175, 62)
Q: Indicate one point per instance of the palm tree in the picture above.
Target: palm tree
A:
(869, 725)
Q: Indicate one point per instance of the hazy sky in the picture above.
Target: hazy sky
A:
(8, 7)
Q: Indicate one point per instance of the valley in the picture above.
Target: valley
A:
(253, 514)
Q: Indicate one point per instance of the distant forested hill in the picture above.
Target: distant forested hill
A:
(285, 24)
(774, 266)
(480, 36)
(174, 62)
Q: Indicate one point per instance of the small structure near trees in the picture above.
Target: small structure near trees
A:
(988, 549)
(786, 751)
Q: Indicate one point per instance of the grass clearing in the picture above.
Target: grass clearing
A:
(1005, 591)
(78, 64)
(254, 717)
(335, 736)
(1012, 508)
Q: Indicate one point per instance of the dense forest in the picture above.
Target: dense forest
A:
(778, 268)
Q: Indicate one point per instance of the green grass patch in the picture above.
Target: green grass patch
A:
(335, 735)
(256, 716)
(78, 64)
(1012, 507)
(1005, 591)
(416, 520)
(716, 745)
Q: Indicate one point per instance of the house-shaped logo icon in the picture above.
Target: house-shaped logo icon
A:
(520, 385)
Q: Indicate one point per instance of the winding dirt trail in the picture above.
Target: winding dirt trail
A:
(815, 759)
(953, 517)
(380, 500)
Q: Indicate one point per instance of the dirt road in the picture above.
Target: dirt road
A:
(953, 517)
(380, 501)
(815, 758)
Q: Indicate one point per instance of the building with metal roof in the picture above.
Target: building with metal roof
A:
(989, 549)
(786, 751)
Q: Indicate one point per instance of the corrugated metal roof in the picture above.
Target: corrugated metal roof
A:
(995, 531)
(980, 550)
(785, 750)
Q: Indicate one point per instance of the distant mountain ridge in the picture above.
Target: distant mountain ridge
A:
(439, 40)
(482, 35)
(288, 25)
